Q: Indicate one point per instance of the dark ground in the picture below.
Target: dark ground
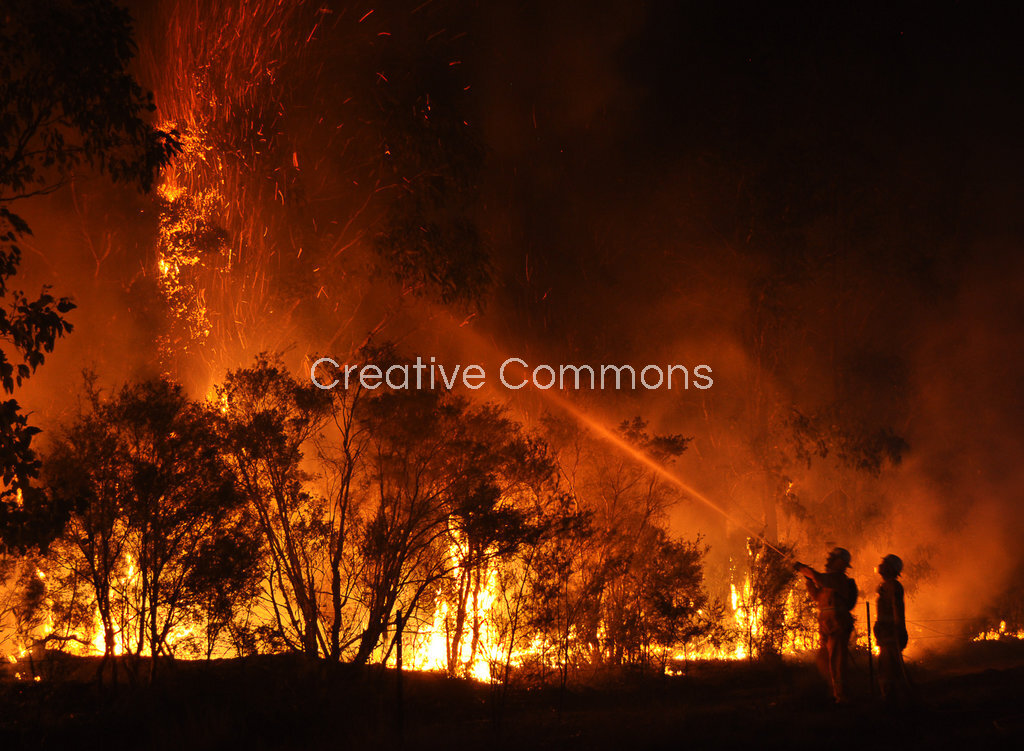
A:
(282, 703)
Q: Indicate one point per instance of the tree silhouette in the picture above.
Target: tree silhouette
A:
(441, 477)
(153, 506)
(270, 421)
(58, 112)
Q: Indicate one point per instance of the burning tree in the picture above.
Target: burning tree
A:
(320, 207)
(529, 613)
(90, 557)
(223, 590)
(269, 420)
(624, 590)
(771, 591)
(440, 504)
(420, 491)
(341, 448)
(152, 503)
(559, 598)
(670, 607)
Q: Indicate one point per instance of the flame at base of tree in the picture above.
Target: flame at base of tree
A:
(1000, 633)
(478, 647)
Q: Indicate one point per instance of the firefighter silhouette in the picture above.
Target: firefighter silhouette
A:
(835, 594)
(891, 630)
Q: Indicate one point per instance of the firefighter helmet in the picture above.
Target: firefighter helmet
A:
(839, 556)
(891, 566)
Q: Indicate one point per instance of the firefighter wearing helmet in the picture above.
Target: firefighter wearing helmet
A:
(891, 629)
(835, 594)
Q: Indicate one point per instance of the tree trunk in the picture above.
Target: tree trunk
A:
(336, 607)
